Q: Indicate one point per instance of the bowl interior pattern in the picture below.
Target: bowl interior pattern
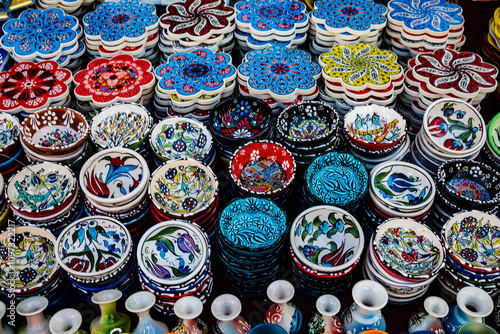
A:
(9, 130)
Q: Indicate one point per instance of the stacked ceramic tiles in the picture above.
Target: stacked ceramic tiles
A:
(192, 24)
(185, 189)
(490, 154)
(61, 140)
(452, 129)
(326, 246)
(115, 184)
(181, 137)
(470, 240)
(307, 129)
(22, 277)
(77, 8)
(97, 254)
(44, 195)
(417, 27)
(174, 261)
(490, 48)
(290, 76)
(444, 74)
(11, 151)
(376, 134)
(194, 81)
(250, 240)
(357, 75)
(404, 256)
(345, 22)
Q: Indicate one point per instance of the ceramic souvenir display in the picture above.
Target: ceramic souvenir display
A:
(188, 309)
(32, 308)
(66, 321)
(430, 320)
(326, 319)
(226, 309)
(140, 303)
(282, 312)
(109, 319)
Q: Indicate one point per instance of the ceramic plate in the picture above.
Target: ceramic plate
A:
(327, 239)
(9, 131)
(494, 134)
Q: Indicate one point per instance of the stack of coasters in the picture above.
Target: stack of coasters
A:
(444, 73)
(359, 75)
(264, 23)
(194, 81)
(490, 48)
(126, 27)
(279, 76)
(39, 35)
(421, 26)
(193, 24)
(345, 22)
(76, 8)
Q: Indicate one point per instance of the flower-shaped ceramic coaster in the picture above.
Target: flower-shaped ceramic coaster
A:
(29, 87)
(119, 79)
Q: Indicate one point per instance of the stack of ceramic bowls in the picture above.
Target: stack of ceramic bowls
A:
(56, 135)
(11, 152)
(452, 129)
(124, 125)
(328, 30)
(376, 134)
(326, 245)
(337, 179)
(490, 154)
(185, 189)
(308, 129)
(490, 48)
(96, 253)
(45, 195)
(115, 184)
(464, 185)
(190, 25)
(397, 189)
(181, 137)
(264, 23)
(250, 238)
(263, 169)
(433, 76)
(76, 8)
(405, 257)
(472, 242)
(22, 275)
(236, 120)
(173, 260)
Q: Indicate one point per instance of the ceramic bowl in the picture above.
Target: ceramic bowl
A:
(173, 252)
(374, 127)
(93, 246)
(494, 135)
(263, 168)
(40, 189)
(28, 259)
(183, 188)
(180, 137)
(409, 248)
(9, 133)
(327, 238)
(307, 123)
(469, 183)
(114, 176)
(54, 131)
(337, 179)
(471, 239)
(121, 125)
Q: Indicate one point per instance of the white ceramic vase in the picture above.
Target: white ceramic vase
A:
(66, 321)
(326, 320)
(32, 308)
(4, 328)
(282, 312)
(140, 303)
(430, 320)
(226, 309)
(188, 309)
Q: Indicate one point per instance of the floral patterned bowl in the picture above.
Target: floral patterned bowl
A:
(114, 177)
(28, 259)
(408, 248)
(9, 133)
(494, 135)
(93, 246)
(54, 131)
(179, 137)
(240, 118)
(183, 188)
(327, 239)
(121, 125)
(262, 168)
(337, 179)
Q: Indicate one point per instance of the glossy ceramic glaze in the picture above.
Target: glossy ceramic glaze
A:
(9, 132)
(140, 303)
(326, 320)
(494, 134)
(109, 320)
(430, 320)
(32, 308)
(226, 308)
(66, 321)
(188, 309)
(282, 312)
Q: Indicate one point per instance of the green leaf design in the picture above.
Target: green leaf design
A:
(314, 257)
(100, 230)
(304, 222)
(317, 222)
(167, 230)
(316, 234)
(191, 257)
(153, 257)
(178, 273)
(332, 232)
(304, 235)
(379, 177)
(74, 237)
(333, 246)
(384, 189)
(332, 219)
(353, 229)
(90, 255)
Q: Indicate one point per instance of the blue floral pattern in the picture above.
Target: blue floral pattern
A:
(39, 33)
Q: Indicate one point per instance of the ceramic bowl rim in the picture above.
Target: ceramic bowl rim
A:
(495, 119)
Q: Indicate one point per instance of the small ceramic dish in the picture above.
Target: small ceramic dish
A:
(494, 135)
(262, 168)
(121, 125)
(327, 239)
(62, 159)
(337, 179)
(9, 133)
(54, 131)
(114, 177)
(93, 247)
(409, 248)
